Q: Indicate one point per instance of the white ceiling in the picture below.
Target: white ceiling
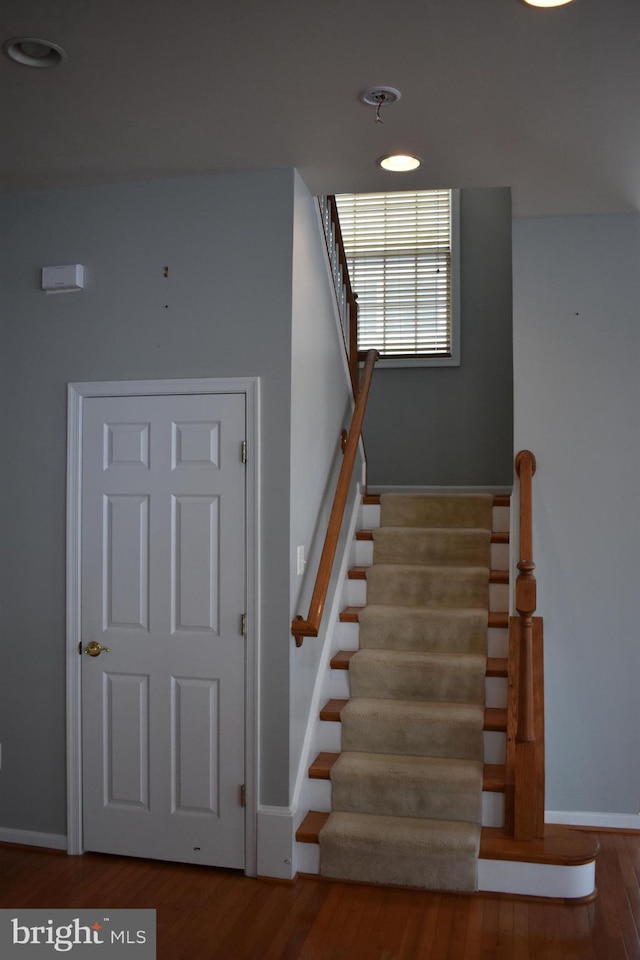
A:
(494, 93)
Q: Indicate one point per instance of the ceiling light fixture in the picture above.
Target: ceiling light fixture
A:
(547, 3)
(399, 162)
(33, 52)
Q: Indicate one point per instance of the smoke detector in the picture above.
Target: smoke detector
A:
(380, 96)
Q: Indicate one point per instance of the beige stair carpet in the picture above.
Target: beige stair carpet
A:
(409, 851)
(409, 675)
(398, 786)
(407, 788)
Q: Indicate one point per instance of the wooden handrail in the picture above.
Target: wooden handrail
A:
(310, 627)
(526, 598)
(352, 301)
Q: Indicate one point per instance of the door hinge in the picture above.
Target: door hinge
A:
(243, 451)
(243, 624)
(243, 795)
(80, 647)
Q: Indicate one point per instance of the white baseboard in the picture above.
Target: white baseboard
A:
(275, 843)
(536, 879)
(31, 838)
(587, 818)
(502, 876)
(382, 488)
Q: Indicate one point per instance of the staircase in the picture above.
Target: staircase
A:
(409, 720)
(389, 804)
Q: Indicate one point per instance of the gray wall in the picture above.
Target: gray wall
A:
(225, 310)
(321, 403)
(577, 375)
(454, 425)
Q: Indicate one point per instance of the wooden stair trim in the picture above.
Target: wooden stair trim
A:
(310, 828)
(350, 614)
(495, 718)
(496, 620)
(342, 659)
(560, 846)
(332, 710)
(320, 769)
(493, 779)
(497, 667)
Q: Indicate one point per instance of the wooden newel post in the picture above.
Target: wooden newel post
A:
(526, 599)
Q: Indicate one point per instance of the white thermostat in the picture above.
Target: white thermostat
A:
(66, 279)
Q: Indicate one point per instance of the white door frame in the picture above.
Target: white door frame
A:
(77, 393)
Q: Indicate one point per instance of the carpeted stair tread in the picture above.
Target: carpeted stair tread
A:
(431, 547)
(403, 675)
(414, 852)
(413, 728)
(436, 510)
(418, 586)
(387, 784)
(452, 630)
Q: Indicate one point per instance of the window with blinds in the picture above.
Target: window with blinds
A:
(399, 253)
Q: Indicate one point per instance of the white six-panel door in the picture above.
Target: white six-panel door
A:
(163, 588)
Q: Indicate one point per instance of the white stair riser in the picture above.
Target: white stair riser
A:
(363, 555)
(495, 688)
(499, 556)
(497, 642)
(496, 691)
(498, 597)
(356, 595)
(501, 520)
(330, 741)
(346, 637)
(319, 793)
(370, 516)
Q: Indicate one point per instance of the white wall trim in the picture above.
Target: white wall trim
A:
(588, 818)
(410, 489)
(77, 393)
(537, 879)
(332, 617)
(275, 842)
(31, 838)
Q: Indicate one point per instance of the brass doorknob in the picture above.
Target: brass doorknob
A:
(94, 649)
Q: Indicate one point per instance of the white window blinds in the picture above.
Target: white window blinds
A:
(398, 248)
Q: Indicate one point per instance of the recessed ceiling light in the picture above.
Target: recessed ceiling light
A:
(33, 52)
(547, 3)
(399, 162)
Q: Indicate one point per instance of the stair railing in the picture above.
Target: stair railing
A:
(346, 298)
(309, 627)
(525, 748)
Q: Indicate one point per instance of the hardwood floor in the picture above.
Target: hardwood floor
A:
(206, 914)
